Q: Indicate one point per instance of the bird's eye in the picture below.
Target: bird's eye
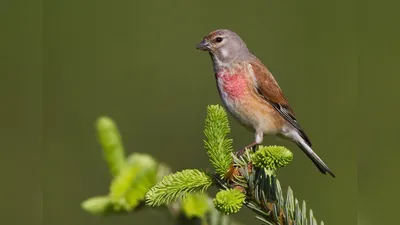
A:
(218, 39)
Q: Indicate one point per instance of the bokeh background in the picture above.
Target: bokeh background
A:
(64, 63)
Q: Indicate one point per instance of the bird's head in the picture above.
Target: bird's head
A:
(224, 46)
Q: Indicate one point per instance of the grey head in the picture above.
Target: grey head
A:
(224, 46)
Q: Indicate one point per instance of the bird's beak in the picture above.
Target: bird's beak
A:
(204, 45)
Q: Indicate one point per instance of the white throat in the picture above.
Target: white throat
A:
(218, 63)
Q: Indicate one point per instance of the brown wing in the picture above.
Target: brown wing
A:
(268, 88)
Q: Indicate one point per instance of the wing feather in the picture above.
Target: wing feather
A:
(268, 89)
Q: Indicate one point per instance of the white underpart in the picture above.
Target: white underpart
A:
(259, 137)
(291, 133)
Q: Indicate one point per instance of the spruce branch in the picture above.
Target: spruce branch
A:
(128, 189)
(271, 157)
(229, 201)
(195, 205)
(263, 191)
(98, 205)
(219, 148)
(111, 143)
(249, 179)
(176, 185)
(133, 177)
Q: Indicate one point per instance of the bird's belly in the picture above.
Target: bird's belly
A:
(251, 111)
(237, 108)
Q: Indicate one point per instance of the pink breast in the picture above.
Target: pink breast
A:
(234, 85)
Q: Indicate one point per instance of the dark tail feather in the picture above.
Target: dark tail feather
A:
(314, 157)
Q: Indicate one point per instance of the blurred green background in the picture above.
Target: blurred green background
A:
(64, 63)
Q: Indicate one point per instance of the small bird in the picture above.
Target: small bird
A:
(251, 94)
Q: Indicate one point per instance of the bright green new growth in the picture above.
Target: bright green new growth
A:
(195, 205)
(219, 148)
(176, 185)
(133, 178)
(272, 157)
(128, 189)
(98, 205)
(229, 201)
(110, 141)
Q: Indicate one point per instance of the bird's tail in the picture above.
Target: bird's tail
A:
(313, 156)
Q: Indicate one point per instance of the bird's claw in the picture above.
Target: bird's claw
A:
(252, 146)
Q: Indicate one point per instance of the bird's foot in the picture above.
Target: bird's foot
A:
(252, 146)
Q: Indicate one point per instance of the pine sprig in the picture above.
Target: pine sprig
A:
(128, 189)
(111, 143)
(195, 205)
(98, 205)
(272, 157)
(248, 179)
(293, 212)
(283, 210)
(229, 201)
(176, 185)
(219, 148)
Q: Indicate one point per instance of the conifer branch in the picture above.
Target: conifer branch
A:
(173, 186)
(98, 205)
(229, 201)
(111, 143)
(219, 148)
(249, 179)
(132, 178)
(129, 187)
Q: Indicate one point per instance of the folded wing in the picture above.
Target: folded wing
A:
(267, 87)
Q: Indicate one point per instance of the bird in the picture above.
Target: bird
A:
(251, 93)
